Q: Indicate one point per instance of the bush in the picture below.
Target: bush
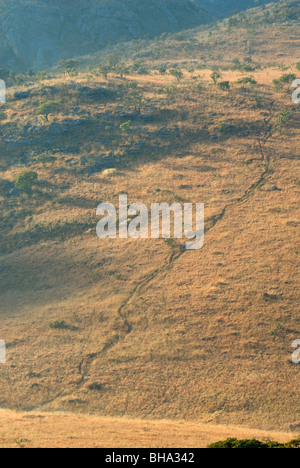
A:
(224, 85)
(253, 443)
(247, 80)
(57, 324)
(286, 78)
(26, 180)
(125, 126)
(69, 66)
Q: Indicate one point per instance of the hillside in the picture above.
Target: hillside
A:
(37, 34)
(143, 329)
(52, 430)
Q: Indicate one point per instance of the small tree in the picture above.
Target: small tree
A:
(135, 100)
(69, 66)
(177, 74)
(215, 76)
(26, 180)
(121, 69)
(112, 61)
(124, 127)
(47, 108)
(104, 70)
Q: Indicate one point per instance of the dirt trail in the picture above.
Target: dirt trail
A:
(179, 251)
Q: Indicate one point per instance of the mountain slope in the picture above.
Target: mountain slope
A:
(39, 33)
(145, 328)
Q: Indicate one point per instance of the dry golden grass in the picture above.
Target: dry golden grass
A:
(153, 331)
(65, 430)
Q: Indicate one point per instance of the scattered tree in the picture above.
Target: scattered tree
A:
(134, 100)
(47, 108)
(215, 76)
(69, 66)
(177, 74)
(104, 70)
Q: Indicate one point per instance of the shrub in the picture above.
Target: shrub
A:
(69, 66)
(57, 324)
(26, 180)
(134, 100)
(253, 443)
(286, 78)
(45, 158)
(124, 127)
(247, 80)
(224, 85)
(257, 100)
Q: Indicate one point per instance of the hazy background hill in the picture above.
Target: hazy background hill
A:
(39, 33)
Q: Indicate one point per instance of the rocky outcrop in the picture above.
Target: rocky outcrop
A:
(38, 34)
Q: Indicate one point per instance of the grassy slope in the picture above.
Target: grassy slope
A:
(154, 331)
(43, 430)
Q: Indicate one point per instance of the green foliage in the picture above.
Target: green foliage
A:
(134, 100)
(3, 115)
(286, 78)
(121, 69)
(40, 75)
(26, 180)
(253, 443)
(215, 76)
(125, 126)
(284, 117)
(104, 71)
(257, 100)
(47, 108)
(295, 443)
(136, 65)
(139, 67)
(162, 70)
(247, 80)
(112, 61)
(58, 324)
(224, 85)
(298, 66)
(245, 66)
(69, 66)
(177, 74)
(45, 158)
